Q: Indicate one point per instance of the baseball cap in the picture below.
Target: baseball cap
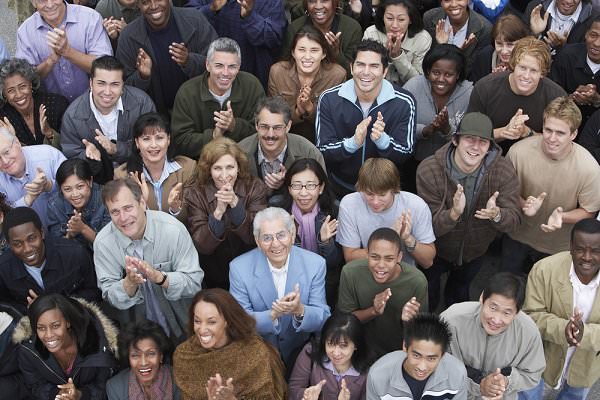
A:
(476, 124)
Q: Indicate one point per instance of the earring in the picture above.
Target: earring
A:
(320, 193)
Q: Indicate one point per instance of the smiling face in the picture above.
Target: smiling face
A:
(12, 159)
(155, 12)
(18, 93)
(106, 87)
(308, 55)
(224, 171)
(275, 241)
(443, 77)
(128, 214)
(144, 360)
(52, 11)
(525, 78)
(76, 191)
(456, 10)
(396, 19)
(210, 326)
(368, 73)
(321, 12)
(153, 145)
(585, 251)
(497, 313)
(384, 261)
(592, 42)
(304, 198)
(567, 7)
(469, 152)
(503, 49)
(272, 132)
(557, 140)
(27, 243)
(379, 202)
(340, 353)
(223, 67)
(53, 330)
(422, 358)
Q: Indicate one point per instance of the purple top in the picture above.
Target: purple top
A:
(85, 34)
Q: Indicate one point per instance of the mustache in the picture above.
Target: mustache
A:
(270, 138)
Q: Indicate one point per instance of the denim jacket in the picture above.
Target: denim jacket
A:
(95, 214)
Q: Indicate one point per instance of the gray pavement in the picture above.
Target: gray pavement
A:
(8, 28)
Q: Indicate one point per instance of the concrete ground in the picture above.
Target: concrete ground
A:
(8, 28)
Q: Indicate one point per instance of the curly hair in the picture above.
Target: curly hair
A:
(14, 66)
(211, 153)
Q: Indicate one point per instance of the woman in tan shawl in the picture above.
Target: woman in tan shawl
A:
(225, 358)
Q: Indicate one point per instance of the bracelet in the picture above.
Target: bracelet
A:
(162, 282)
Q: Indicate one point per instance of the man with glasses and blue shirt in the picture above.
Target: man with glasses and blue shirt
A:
(27, 173)
(273, 149)
(282, 286)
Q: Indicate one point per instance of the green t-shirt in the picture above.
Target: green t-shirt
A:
(383, 333)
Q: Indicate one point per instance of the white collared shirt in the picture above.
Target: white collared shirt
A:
(279, 276)
(595, 68)
(583, 300)
(460, 36)
(108, 123)
(562, 24)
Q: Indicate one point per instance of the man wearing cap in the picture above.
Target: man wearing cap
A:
(473, 192)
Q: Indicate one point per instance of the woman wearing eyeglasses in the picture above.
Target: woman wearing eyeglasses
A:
(221, 200)
(311, 202)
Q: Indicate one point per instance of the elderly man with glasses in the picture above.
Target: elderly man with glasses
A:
(282, 286)
(27, 173)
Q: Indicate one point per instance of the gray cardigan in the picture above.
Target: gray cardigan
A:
(80, 123)
(457, 105)
(117, 387)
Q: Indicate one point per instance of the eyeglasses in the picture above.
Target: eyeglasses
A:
(308, 186)
(264, 128)
(6, 153)
(280, 236)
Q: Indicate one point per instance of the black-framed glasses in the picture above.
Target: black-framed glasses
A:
(308, 186)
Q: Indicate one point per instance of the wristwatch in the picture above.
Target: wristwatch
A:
(162, 281)
(410, 248)
(496, 219)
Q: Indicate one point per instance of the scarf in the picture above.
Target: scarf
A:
(161, 388)
(254, 365)
(306, 227)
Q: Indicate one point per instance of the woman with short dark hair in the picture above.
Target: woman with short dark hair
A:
(145, 351)
(33, 114)
(76, 211)
(224, 345)
(67, 348)
(399, 27)
(337, 357)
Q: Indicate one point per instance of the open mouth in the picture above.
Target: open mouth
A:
(52, 344)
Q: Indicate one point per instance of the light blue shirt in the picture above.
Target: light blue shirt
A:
(169, 168)
(39, 156)
(36, 273)
(3, 52)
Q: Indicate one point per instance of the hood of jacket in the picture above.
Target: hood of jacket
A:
(24, 333)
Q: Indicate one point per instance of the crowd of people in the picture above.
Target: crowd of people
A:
(265, 199)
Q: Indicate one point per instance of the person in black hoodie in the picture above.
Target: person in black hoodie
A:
(11, 379)
(66, 349)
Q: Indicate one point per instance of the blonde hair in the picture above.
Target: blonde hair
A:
(565, 109)
(211, 153)
(378, 175)
(530, 46)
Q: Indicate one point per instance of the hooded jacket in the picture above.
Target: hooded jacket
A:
(90, 371)
(468, 237)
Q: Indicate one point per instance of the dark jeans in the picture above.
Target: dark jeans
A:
(518, 257)
(457, 285)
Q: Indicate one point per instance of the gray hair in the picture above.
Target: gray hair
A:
(275, 105)
(5, 134)
(272, 213)
(19, 66)
(225, 45)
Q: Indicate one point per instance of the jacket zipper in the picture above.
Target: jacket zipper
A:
(46, 365)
